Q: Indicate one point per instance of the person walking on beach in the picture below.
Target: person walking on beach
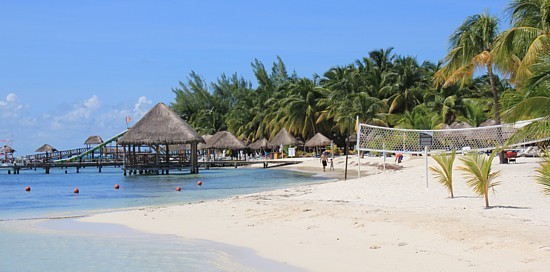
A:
(324, 161)
(331, 165)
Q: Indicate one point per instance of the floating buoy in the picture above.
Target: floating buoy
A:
(117, 186)
(199, 182)
(28, 188)
(178, 188)
(76, 191)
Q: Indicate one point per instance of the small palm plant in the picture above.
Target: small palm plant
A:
(478, 174)
(444, 173)
(543, 174)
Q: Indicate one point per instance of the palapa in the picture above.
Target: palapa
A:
(488, 123)
(46, 148)
(259, 144)
(283, 137)
(8, 149)
(161, 125)
(318, 140)
(224, 140)
(93, 140)
(207, 140)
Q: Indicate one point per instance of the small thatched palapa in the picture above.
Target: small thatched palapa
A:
(161, 125)
(93, 140)
(283, 137)
(224, 140)
(259, 144)
(488, 123)
(46, 148)
(318, 140)
(8, 149)
(207, 140)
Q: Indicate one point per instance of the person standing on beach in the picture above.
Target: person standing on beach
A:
(324, 161)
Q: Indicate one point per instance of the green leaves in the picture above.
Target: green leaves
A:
(543, 175)
(477, 171)
(444, 173)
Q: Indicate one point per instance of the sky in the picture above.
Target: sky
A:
(72, 69)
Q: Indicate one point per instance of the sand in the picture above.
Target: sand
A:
(385, 221)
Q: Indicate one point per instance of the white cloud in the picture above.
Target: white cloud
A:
(84, 109)
(142, 106)
(10, 107)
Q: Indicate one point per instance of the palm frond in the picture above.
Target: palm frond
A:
(543, 175)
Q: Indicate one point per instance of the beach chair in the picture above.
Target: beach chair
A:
(511, 156)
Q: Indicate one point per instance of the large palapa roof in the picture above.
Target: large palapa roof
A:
(161, 125)
(283, 137)
(224, 139)
(318, 140)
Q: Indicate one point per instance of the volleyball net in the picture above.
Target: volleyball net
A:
(412, 141)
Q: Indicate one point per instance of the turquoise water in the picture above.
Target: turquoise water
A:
(27, 244)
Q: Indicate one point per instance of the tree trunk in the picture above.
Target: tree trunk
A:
(501, 157)
(486, 197)
(495, 93)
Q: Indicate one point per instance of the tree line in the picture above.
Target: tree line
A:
(486, 74)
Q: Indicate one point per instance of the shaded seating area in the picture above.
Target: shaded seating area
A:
(280, 140)
(317, 141)
(225, 140)
(146, 145)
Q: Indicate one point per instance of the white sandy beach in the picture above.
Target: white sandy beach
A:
(385, 221)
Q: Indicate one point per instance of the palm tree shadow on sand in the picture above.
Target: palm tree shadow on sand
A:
(508, 207)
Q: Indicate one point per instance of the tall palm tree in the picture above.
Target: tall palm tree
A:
(523, 45)
(299, 107)
(471, 48)
(478, 174)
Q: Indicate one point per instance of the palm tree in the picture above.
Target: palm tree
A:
(543, 175)
(444, 173)
(299, 107)
(471, 48)
(523, 45)
(478, 174)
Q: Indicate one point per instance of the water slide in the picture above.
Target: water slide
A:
(90, 151)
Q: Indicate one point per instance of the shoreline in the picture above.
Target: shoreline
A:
(385, 221)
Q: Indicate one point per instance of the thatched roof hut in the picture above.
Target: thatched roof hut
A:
(224, 140)
(318, 140)
(8, 149)
(207, 140)
(93, 140)
(460, 125)
(161, 125)
(259, 144)
(283, 137)
(46, 148)
(488, 123)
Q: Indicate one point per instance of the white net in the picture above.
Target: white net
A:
(380, 139)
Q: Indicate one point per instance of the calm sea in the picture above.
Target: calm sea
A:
(27, 244)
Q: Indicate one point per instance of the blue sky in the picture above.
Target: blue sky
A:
(71, 69)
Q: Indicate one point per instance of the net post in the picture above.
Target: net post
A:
(426, 162)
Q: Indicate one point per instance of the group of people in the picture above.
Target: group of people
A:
(324, 162)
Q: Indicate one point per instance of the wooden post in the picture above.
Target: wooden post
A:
(167, 159)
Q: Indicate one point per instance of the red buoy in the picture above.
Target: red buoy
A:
(76, 191)
(117, 186)
(28, 188)
(178, 188)
(199, 182)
